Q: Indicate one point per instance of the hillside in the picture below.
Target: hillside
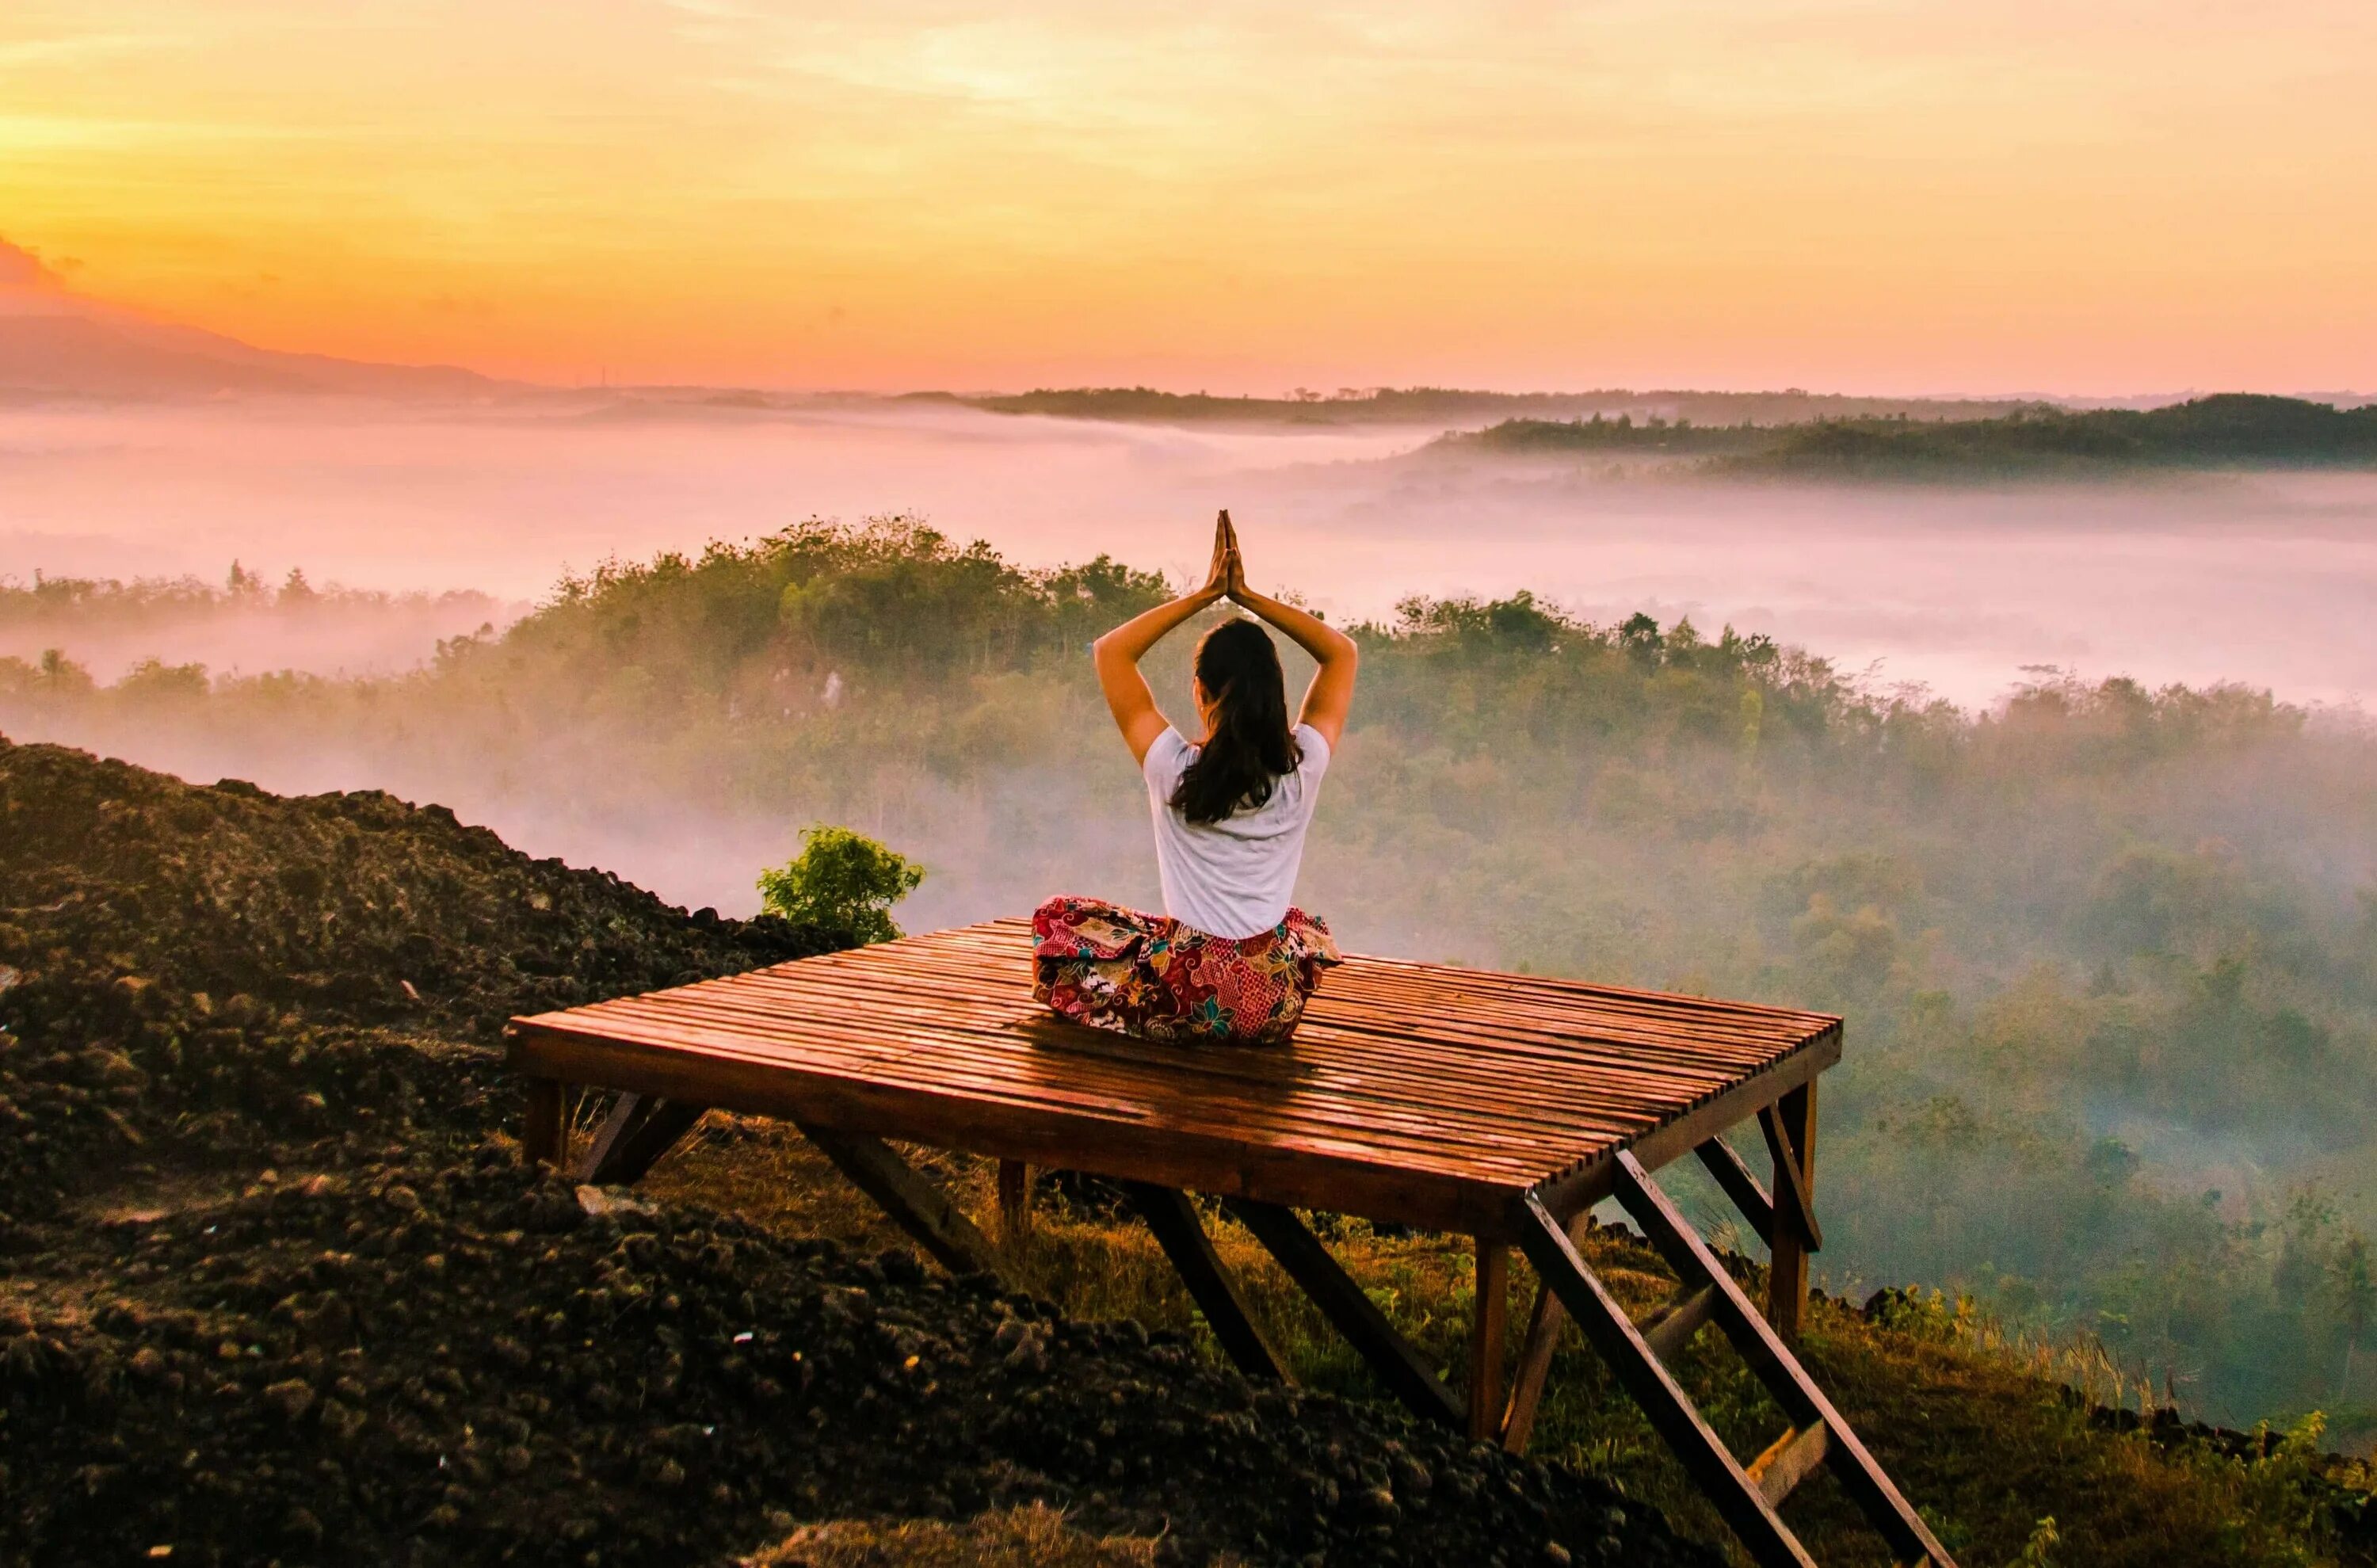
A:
(1443, 406)
(275, 1285)
(2230, 430)
(102, 355)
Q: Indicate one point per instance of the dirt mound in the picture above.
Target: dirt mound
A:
(218, 969)
(407, 1349)
(414, 1364)
(357, 909)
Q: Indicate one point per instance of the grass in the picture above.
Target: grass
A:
(1018, 1538)
(1981, 1431)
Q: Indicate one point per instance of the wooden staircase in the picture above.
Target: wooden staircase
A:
(1747, 1495)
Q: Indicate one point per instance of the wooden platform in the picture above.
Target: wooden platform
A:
(1413, 1092)
(1500, 1106)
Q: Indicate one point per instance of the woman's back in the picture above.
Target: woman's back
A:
(1231, 959)
(1235, 877)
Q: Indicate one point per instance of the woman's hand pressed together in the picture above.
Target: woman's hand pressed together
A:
(1330, 695)
(1117, 653)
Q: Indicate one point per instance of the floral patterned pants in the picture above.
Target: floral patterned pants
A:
(1150, 976)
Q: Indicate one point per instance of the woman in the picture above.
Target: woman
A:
(1230, 959)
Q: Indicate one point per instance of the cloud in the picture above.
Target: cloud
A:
(22, 268)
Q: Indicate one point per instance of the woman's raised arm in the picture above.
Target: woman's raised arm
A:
(1330, 695)
(1117, 653)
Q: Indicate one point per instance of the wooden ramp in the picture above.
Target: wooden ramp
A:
(1500, 1106)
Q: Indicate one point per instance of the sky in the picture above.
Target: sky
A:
(2123, 198)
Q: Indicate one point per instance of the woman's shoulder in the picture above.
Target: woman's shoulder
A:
(1312, 750)
(1167, 755)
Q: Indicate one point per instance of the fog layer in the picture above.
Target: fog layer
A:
(2263, 577)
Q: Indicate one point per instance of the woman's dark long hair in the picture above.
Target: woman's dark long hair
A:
(1252, 745)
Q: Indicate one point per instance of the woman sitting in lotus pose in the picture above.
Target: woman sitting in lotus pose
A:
(1230, 960)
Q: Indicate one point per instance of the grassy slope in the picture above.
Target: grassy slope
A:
(1982, 1444)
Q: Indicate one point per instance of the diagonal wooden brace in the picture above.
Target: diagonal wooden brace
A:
(1173, 1218)
(1748, 1194)
(915, 1204)
(1794, 1204)
(1345, 1304)
(1544, 1325)
(640, 1130)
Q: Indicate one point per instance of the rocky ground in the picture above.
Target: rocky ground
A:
(274, 1287)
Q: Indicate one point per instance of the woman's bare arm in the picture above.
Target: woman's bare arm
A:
(1117, 653)
(1330, 695)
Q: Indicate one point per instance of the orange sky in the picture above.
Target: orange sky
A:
(2122, 196)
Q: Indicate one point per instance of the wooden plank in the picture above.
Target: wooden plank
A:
(1789, 1460)
(1884, 1507)
(1544, 1325)
(640, 1130)
(1576, 1191)
(893, 997)
(1020, 1077)
(1669, 1329)
(1173, 1217)
(1710, 1465)
(544, 1132)
(994, 937)
(1014, 1202)
(917, 1206)
(1297, 1172)
(1790, 1132)
(1578, 1091)
(1797, 1204)
(1370, 1117)
(1488, 1326)
(1740, 1184)
(1344, 1304)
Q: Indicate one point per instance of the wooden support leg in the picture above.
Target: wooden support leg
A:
(1343, 1302)
(1711, 1465)
(1544, 1325)
(541, 1134)
(1014, 1202)
(640, 1130)
(1487, 1331)
(1173, 1218)
(1790, 1129)
(917, 1206)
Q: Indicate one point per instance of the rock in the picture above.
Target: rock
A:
(292, 1397)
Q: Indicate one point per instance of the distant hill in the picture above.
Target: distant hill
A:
(99, 354)
(2228, 430)
(1443, 406)
(2036, 440)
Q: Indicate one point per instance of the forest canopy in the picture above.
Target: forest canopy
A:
(2107, 953)
(2230, 430)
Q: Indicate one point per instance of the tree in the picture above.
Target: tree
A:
(841, 881)
(2350, 1277)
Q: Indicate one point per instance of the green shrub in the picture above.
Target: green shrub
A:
(843, 880)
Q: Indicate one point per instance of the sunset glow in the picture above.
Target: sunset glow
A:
(2116, 198)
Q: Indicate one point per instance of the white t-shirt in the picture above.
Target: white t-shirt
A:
(1236, 877)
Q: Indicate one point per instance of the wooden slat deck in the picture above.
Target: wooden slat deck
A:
(1414, 1092)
